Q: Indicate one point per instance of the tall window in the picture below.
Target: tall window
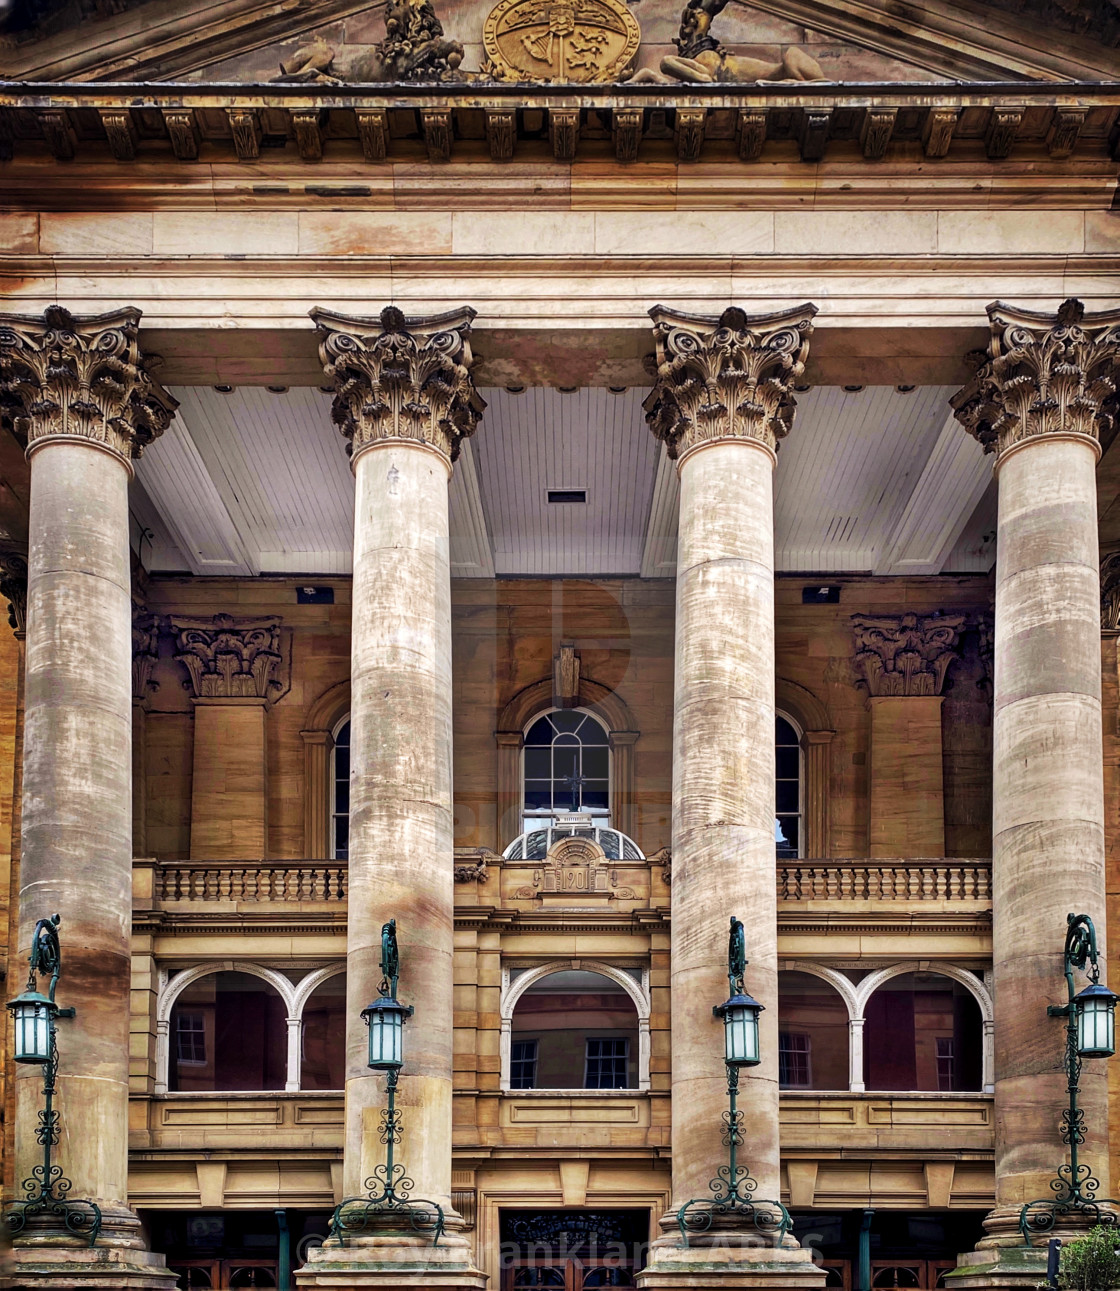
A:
(787, 762)
(340, 793)
(795, 1060)
(523, 1064)
(567, 768)
(607, 1063)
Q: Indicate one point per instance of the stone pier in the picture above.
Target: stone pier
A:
(721, 403)
(401, 843)
(1038, 404)
(87, 407)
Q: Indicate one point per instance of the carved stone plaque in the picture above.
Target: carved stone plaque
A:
(568, 41)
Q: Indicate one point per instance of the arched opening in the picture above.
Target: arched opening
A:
(574, 1029)
(566, 768)
(228, 1031)
(812, 1034)
(923, 1032)
(788, 779)
(323, 1036)
(340, 791)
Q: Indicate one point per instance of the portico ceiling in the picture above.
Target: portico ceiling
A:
(256, 481)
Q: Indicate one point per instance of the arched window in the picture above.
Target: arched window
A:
(574, 1030)
(323, 1036)
(812, 1034)
(787, 789)
(228, 1031)
(923, 1031)
(566, 768)
(340, 792)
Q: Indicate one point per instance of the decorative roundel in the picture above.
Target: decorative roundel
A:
(562, 41)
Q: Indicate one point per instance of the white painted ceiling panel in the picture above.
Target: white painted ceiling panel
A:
(856, 479)
(544, 439)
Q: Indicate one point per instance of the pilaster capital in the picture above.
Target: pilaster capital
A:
(80, 378)
(228, 660)
(145, 651)
(400, 378)
(1110, 592)
(13, 588)
(729, 377)
(1044, 374)
(905, 656)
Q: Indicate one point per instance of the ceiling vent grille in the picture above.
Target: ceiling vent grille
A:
(568, 495)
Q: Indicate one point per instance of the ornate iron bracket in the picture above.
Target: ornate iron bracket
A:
(1074, 1185)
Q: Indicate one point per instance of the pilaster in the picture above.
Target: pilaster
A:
(902, 663)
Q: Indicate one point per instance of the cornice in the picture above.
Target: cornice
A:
(131, 123)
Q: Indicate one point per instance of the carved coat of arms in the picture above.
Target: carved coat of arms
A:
(568, 41)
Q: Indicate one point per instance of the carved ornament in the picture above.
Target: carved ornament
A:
(569, 41)
(1044, 374)
(470, 864)
(80, 377)
(227, 659)
(398, 378)
(13, 588)
(905, 656)
(145, 651)
(663, 857)
(565, 677)
(1110, 592)
(729, 377)
(415, 48)
(576, 868)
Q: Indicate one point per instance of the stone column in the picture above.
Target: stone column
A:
(231, 666)
(902, 663)
(78, 390)
(1039, 404)
(405, 401)
(721, 403)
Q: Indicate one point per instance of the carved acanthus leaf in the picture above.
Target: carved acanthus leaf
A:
(1110, 592)
(13, 588)
(145, 651)
(907, 655)
(227, 659)
(663, 857)
(81, 377)
(1044, 374)
(726, 378)
(401, 378)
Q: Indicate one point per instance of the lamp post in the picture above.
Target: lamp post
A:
(1090, 1033)
(733, 1188)
(389, 1187)
(35, 1042)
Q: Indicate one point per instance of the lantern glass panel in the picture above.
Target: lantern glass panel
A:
(740, 1033)
(1096, 1026)
(32, 1032)
(386, 1038)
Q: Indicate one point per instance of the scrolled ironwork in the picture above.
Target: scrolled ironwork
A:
(1074, 1185)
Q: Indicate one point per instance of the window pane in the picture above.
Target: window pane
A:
(596, 796)
(538, 764)
(342, 796)
(342, 764)
(341, 837)
(786, 835)
(567, 720)
(784, 733)
(787, 795)
(595, 763)
(540, 732)
(788, 764)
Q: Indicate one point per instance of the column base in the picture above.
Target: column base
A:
(1003, 1260)
(101, 1268)
(729, 1261)
(389, 1262)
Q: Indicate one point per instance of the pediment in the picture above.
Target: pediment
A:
(247, 41)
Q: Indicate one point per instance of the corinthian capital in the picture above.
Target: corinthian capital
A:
(398, 378)
(907, 655)
(84, 378)
(1110, 592)
(729, 377)
(229, 660)
(1045, 374)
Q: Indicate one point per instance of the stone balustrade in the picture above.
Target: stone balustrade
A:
(828, 880)
(894, 880)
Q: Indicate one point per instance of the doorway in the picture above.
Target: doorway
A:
(572, 1250)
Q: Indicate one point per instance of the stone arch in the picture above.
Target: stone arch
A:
(323, 718)
(172, 988)
(846, 989)
(812, 717)
(512, 991)
(530, 702)
(306, 987)
(871, 983)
